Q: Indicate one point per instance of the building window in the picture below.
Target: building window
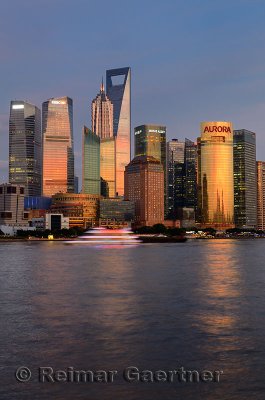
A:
(6, 214)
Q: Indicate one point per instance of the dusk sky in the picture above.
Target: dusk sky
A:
(191, 61)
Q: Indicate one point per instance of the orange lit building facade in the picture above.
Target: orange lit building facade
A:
(82, 209)
(215, 175)
(58, 153)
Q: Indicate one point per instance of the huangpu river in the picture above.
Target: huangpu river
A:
(199, 305)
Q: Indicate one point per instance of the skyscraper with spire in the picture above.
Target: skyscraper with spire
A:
(102, 126)
(102, 115)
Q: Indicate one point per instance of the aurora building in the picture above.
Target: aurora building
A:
(25, 147)
(215, 175)
(58, 151)
(245, 179)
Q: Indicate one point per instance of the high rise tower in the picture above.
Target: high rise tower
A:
(108, 166)
(215, 175)
(25, 147)
(150, 140)
(58, 152)
(245, 179)
(261, 195)
(144, 184)
(119, 92)
(175, 176)
(90, 162)
(102, 115)
(181, 177)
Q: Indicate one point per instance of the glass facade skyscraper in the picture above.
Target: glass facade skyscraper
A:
(150, 140)
(190, 174)
(91, 160)
(25, 147)
(108, 165)
(215, 175)
(118, 82)
(181, 177)
(245, 179)
(58, 151)
(175, 172)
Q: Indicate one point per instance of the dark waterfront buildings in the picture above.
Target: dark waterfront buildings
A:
(90, 162)
(245, 179)
(58, 147)
(175, 175)
(181, 177)
(25, 147)
(118, 82)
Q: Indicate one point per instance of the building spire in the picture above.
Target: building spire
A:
(102, 86)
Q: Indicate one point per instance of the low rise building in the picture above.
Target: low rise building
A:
(116, 212)
(82, 209)
(12, 211)
(56, 222)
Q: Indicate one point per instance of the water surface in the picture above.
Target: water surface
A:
(199, 305)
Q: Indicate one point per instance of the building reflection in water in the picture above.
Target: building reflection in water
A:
(89, 306)
(218, 314)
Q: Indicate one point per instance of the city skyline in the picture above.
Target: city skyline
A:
(187, 85)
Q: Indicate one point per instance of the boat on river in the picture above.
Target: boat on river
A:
(106, 236)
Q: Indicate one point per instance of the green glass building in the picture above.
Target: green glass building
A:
(91, 162)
